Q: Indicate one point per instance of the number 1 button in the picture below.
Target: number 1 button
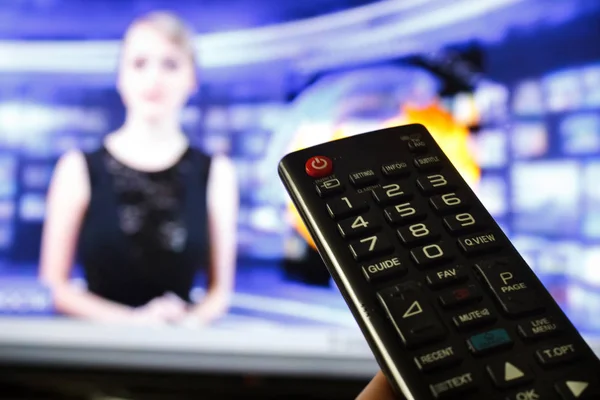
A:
(370, 246)
(346, 206)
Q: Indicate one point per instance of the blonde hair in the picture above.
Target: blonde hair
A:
(175, 29)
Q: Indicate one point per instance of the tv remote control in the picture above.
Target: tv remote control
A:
(446, 303)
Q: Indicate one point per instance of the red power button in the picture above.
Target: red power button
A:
(319, 166)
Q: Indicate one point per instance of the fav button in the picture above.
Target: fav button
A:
(319, 166)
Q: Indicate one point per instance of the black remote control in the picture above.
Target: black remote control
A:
(448, 306)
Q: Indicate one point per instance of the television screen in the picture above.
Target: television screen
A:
(142, 221)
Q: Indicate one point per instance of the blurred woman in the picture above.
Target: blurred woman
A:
(146, 210)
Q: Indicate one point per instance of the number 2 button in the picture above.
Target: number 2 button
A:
(370, 246)
(358, 226)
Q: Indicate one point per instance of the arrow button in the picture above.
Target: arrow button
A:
(509, 373)
(413, 317)
(579, 389)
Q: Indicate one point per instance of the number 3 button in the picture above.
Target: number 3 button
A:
(370, 246)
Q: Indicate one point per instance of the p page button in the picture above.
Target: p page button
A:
(319, 166)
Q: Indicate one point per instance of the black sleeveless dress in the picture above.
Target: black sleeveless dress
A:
(144, 233)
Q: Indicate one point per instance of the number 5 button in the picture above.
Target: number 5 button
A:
(370, 246)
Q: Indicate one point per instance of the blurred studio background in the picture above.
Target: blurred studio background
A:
(511, 86)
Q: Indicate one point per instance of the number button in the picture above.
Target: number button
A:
(391, 193)
(403, 213)
(434, 183)
(417, 233)
(447, 203)
(431, 254)
(346, 206)
(370, 246)
(357, 226)
(461, 223)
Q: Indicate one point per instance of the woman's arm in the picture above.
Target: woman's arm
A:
(223, 205)
(67, 201)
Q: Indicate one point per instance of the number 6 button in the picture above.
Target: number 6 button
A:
(370, 246)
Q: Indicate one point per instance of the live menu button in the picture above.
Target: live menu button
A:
(535, 328)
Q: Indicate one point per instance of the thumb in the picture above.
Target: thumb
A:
(378, 389)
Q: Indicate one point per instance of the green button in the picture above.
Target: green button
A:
(489, 340)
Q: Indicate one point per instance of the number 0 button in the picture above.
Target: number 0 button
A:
(432, 254)
(370, 246)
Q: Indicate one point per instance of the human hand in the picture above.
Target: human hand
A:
(160, 310)
(213, 306)
(378, 389)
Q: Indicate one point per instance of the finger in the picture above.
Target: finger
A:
(377, 389)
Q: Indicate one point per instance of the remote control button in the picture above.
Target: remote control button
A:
(384, 269)
(473, 318)
(557, 354)
(358, 226)
(430, 255)
(462, 223)
(363, 178)
(413, 317)
(448, 203)
(396, 169)
(507, 374)
(370, 246)
(428, 163)
(531, 393)
(403, 213)
(511, 291)
(538, 327)
(417, 146)
(390, 193)
(451, 388)
(439, 358)
(579, 388)
(319, 166)
(483, 343)
(460, 296)
(417, 233)
(435, 183)
(346, 206)
(446, 277)
(479, 243)
(329, 187)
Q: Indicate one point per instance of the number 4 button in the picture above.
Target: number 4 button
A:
(370, 246)
(358, 226)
